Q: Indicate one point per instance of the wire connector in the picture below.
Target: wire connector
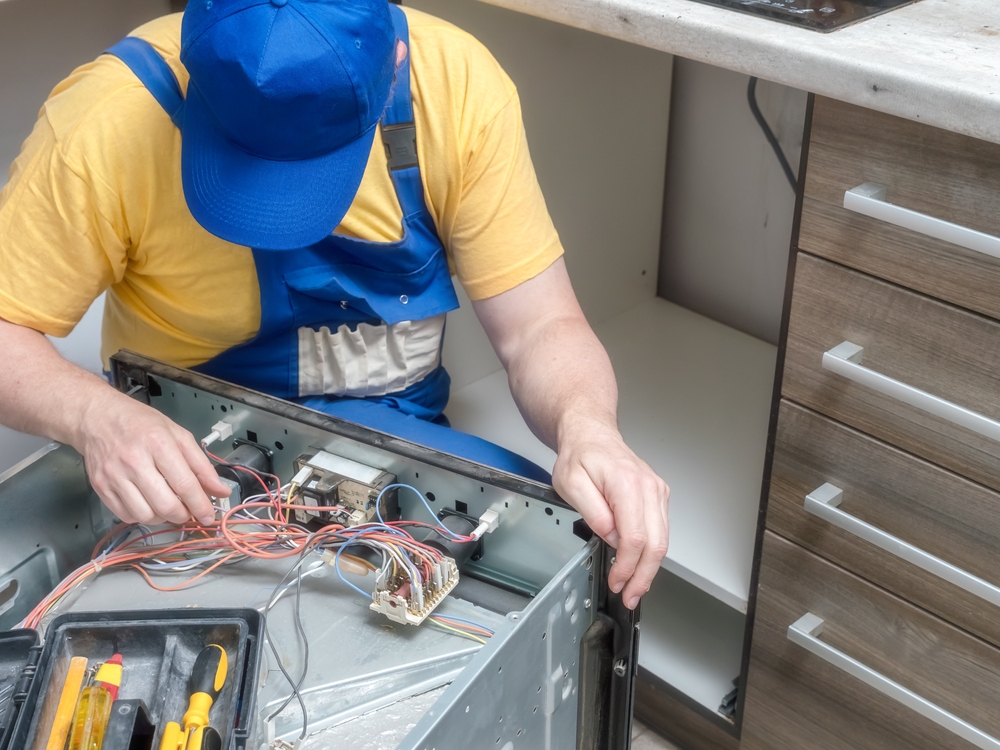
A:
(220, 431)
(488, 523)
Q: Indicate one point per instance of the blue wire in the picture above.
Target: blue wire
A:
(468, 622)
(336, 567)
(378, 508)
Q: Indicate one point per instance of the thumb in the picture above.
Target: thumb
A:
(577, 488)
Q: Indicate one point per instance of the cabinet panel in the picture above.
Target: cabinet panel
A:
(936, 348)
(938, 512)
(797, 700)
(936, 173)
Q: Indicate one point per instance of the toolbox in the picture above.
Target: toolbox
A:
(558, 671)
(159, 649)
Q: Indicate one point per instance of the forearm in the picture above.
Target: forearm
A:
(563, 384)
(562, 380)
(142, 465)
(41, 392)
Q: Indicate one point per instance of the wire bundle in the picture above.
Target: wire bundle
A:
(260, 528)
(257, 529)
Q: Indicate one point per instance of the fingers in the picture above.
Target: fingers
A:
(625, 495)
(202, 468)
(577, 487)
(130, 505)
(149, 470)
(655, 547)
(192, 477)
(625, 504)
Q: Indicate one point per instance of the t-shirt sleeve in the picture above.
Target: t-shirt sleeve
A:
(58, 250)
(502, 234)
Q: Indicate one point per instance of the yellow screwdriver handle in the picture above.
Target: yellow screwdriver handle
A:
(174, 738)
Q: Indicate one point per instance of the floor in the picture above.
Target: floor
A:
(644, 738)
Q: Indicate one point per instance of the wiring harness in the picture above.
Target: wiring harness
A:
(410, 574)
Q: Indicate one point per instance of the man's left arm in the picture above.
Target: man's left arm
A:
(563, 383)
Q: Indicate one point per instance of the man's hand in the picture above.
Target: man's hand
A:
(562, 381)
(143, 466)
(621, 498)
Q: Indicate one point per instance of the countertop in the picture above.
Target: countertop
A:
(936, 61)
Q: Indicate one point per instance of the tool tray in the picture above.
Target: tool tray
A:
(158, 647)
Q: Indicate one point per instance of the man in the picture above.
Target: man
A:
(271, 193)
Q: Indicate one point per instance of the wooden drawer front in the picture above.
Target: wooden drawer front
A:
(937, 348)
(931, 171)
(939, 513)
(797, 700)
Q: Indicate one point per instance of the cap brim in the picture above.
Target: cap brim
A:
(272, 205)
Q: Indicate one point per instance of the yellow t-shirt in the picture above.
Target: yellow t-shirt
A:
(95, 202)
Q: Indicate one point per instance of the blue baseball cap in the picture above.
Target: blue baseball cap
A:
(282, 104)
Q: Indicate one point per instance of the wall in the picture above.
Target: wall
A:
(728, 208)
(40, 42)
(596, 111)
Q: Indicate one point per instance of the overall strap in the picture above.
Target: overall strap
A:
(154, 73)
(399, 134)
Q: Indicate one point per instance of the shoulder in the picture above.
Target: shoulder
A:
(100, 94)
(452, 70)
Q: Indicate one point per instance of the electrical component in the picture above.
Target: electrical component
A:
(459, 544)
(220, 431)
(246, 471)
(341, 490)
(488, 523)
(404, 600)
(235, 493)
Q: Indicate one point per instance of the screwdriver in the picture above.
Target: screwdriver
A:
(207, 679)
(94, 707)
(63, 721)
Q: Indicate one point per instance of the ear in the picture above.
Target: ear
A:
(401, 53)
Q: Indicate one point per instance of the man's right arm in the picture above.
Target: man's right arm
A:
(144, 467)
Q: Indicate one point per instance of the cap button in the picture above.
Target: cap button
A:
(279, 3)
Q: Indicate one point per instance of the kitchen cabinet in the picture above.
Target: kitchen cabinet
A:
(875, 620)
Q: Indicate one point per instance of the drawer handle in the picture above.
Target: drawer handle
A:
(869, 200)
(805, 632)
(845, 359)
(824, 501)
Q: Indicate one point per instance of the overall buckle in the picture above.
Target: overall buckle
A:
(400, 143)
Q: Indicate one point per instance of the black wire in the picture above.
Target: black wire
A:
(769, 134)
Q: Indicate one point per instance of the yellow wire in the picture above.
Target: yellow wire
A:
(456, 630)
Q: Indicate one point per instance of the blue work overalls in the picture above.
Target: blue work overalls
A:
(338, 317)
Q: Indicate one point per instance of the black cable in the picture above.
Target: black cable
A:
(769, 134)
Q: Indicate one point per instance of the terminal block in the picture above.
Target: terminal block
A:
(399, 600)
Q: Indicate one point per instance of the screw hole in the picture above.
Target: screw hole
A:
(548, 511)
(224, 409)
(278, 445)
(431, 496)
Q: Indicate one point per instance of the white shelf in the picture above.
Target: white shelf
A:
(694, 402)
(690, 640)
